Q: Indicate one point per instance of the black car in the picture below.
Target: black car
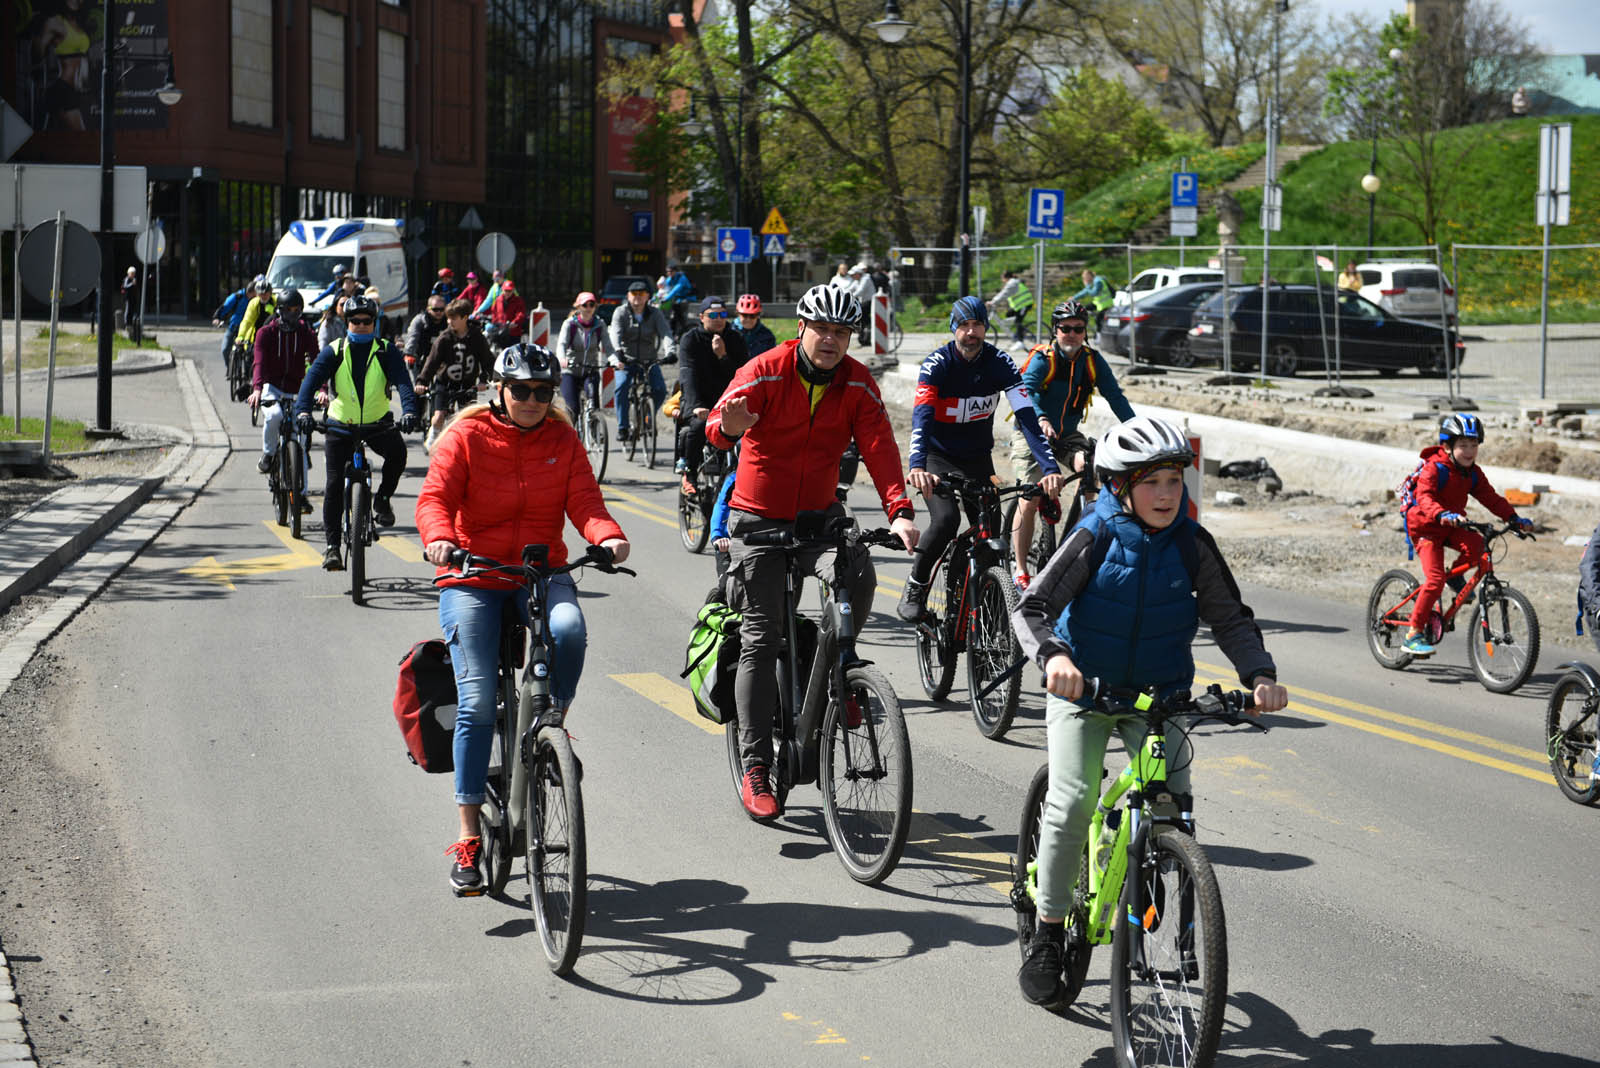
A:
(1159, 323)
(615, 291)
(1303, 333)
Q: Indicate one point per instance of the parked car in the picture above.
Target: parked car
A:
(1151, 279)
(1159, 323)
(615, 291)
(1407, 287)
(1302, 328)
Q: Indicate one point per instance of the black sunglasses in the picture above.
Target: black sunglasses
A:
(360, 320)
(1067, 328)
(521, 391)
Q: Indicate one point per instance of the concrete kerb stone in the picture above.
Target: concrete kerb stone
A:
(133, 362)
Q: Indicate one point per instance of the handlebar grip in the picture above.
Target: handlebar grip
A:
(459, 558)
(780, 538)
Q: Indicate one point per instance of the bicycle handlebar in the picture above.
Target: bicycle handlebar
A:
(838, 531)
(957, 486)
(469, 565)
(1224, 706)
(1490, 530)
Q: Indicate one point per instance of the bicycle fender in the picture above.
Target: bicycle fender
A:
(1590, 675)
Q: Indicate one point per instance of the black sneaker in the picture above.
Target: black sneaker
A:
(382, 512)
(264, 464)
(1041, 971)
(305, 506)
(331, 561)
(912, 600)
(465, 878)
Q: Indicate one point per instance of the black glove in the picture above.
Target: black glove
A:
(306, 422)
(410, 424)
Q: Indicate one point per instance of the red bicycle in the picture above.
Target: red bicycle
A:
(1503, 631)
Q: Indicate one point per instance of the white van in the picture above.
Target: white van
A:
(313, 249)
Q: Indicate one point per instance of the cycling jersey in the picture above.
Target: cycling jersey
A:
(955, 403)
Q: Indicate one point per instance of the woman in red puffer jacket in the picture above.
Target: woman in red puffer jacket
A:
(504, 475)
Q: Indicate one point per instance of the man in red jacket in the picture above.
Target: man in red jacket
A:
(510, 310)
(794, 409)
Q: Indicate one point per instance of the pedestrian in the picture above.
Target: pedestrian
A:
(130, 303)
(1351, 278)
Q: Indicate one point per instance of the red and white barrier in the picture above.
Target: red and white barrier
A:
(539, 325)
(880, 324)
(1193, 477)
(608, 387)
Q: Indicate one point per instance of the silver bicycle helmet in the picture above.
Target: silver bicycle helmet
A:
(1142, 441)
(526, 362)
(829, 304)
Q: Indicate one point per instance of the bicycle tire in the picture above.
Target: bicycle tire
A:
(897, 335)
(596, 440)
(1504, 658)
(558, 866)
(630, 441)
(730, 733)
(1384, 639)
(355, 539)
(866, 803)
(1042, 546)
(1169, 981)
(936, 657)
(646, 417)
(991, 650)
(296, 463)
(1570, 737)
(280, 488)
(1078, 948)
(495, 850)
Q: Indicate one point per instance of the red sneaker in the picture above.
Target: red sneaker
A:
(756, 793)
(1022, 580)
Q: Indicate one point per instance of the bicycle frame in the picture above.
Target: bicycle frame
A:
(976, 549)
(1482, 575)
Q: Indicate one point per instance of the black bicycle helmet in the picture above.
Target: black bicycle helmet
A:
(526, 362)
(829, 304)
(290, 298)
(1069, 309)
(360, 304)
(1460, 425)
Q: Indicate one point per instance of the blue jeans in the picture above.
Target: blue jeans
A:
(470, 620)
(658, 390)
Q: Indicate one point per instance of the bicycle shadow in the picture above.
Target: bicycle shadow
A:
(672, 941)
(400, 594)
(1243, 857)
(1285, 626)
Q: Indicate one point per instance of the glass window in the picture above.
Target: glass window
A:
(1354, 306)
(1146, 282)
(391, 89)
(1370, 277)
(251, 64)
(1424, 278)
(327, 75)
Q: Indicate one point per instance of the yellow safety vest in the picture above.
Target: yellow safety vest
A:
(359, 406)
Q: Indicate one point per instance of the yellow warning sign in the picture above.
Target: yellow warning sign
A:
(774, 223)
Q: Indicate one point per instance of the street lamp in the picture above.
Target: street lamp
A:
(169, 94)
(892, 29)
(1370, 182)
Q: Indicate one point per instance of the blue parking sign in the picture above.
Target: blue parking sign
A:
(1185, 189)
(644, 225)
(1046, 209)
(735, 244)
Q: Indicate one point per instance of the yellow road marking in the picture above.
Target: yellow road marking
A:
(642, 502)
(405, 549)
(960, 852)
(641, 513)
(299, 555)
(670, 695)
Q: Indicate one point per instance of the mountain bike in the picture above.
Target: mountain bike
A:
(970, 600)
(641, 413)
(286, 478)
(590, 419)
(1048, 531)
(360, 530)
(1503, 631)
(1571, 724)
(694, 512)
(535, 791)
(1145, 886)
(838, 722)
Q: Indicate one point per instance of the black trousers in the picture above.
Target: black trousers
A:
(337, 448)
(944, 513)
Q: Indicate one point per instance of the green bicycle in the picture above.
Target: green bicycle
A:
(1169, 959)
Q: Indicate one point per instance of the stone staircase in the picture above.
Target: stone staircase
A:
(1158, 229)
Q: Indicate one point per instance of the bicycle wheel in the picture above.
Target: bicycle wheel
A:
(694, 526)
(645, 420)
(558, 875)
(1503, 640)
(865, 775)
(1169, 973)
(295, 463)
(355, 538)
(596, 440)
(630, 443)
(730, 734)
(1386, 629)
(280, 488)
(239, 378)
(495, 853)
(1025, 874)
(897, 335)
(992, 650)
(1569, 730)
(936, 656)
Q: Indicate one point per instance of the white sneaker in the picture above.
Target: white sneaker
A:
(428, 440)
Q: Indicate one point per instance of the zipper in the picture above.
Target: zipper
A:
(1138, 612)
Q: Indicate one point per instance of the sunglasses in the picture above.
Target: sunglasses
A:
(587, 304)
(360, 320)
(435, 311)
(521, 391)
(715, 314)
(1065, 329)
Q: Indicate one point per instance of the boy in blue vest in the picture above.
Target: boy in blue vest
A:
(1449, 473)
(1121, 600)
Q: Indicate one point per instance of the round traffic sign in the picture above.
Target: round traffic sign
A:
(728, 245)
(80, 262)
(496, 252)
(151, 244)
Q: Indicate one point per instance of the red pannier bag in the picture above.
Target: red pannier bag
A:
(425, 705)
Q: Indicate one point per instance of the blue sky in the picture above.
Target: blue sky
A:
(1562, 26)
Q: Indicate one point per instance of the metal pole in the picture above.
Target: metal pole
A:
(1038, 292)
(1227, 321)
(1133, 336)
(966, 144)
(1322, 322)
(55, 324)
(1183, 165)
(16, 302)
(1372, 198)
(1444, 323)
(108, 267)
(3, 340)
(1455, 273)
(1338, 334)
(1544, 289)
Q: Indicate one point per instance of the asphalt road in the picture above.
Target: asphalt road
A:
(228, 859)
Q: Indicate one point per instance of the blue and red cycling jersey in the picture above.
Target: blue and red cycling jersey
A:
(956, 401)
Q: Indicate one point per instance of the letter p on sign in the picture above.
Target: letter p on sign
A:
(1045, 210)
(1185, 189)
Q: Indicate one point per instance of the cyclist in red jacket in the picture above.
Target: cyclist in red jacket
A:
(793, 411)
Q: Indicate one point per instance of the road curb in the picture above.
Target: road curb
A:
(139, 362)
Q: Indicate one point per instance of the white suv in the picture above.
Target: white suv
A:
(1407, 288)
(1151, 279)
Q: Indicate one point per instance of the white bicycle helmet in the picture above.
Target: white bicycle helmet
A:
(829, 304)
(1142, 441)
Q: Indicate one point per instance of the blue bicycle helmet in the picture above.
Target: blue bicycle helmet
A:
(1460, 425)
(968, 307)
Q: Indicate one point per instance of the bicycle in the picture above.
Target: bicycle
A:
(838, 722)
(590, 419)
(970, 600)
(641, 411)
(694, 512)
(360, 530)
(241, 365)
(1169, 975)
(535, 801)
(286, 478)
(1048, 531)
(1570, 730)
(1504, 644)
